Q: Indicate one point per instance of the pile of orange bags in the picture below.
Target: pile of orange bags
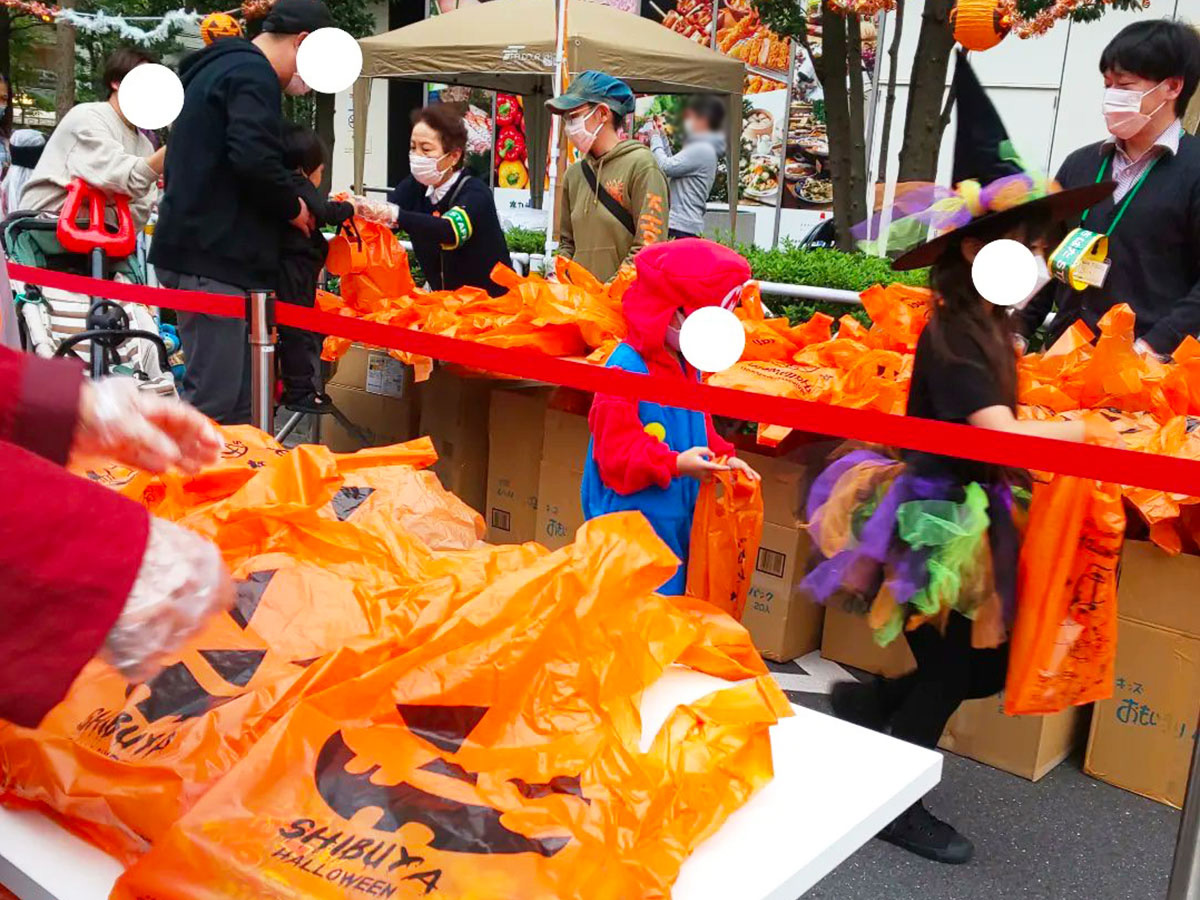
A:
(570, 317)
(859, 367)
(383, 669)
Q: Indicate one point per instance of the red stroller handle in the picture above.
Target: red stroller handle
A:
(95, 235)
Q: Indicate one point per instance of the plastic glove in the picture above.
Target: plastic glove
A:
(373, 210)
(119, 422)
(181, 583)
(1146, 350)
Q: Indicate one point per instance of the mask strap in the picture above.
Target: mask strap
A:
(734, 296)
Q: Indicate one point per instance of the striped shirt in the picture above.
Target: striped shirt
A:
(1126, 171)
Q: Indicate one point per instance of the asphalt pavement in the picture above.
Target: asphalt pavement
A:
(1067, 837)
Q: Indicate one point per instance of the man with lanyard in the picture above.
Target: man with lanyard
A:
(1152, 220)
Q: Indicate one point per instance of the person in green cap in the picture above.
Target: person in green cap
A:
(614, 200)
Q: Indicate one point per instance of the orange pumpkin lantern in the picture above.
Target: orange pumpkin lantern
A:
(980, 24)
(218, 25)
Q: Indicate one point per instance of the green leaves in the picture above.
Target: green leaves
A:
(525, 240)
(826, 268)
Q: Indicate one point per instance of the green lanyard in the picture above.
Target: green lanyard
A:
(1128, 197)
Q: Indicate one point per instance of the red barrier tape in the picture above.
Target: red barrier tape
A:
(187, 301)
(1127, 467)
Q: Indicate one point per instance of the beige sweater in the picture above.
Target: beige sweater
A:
(93, 143)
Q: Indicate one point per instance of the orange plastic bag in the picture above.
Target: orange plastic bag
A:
(1064, 641)
(498, 756)
(372, 265)
(726, 530)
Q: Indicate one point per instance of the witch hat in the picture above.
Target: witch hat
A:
(991, 184)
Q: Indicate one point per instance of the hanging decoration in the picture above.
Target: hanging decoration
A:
(864, 9)
(219, 25)
(105, 23)
(981, 24)
(1044, 20)
(31, 8)
(255, 9)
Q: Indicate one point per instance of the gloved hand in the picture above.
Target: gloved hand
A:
(119, 422)
(372, 210)
(182, 581)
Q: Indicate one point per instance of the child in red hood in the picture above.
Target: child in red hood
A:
(645, 456)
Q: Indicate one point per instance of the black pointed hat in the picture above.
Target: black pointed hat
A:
(991, 184)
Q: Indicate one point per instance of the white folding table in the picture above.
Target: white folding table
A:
(835, 786)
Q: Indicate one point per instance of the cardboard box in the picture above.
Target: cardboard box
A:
(1142, 738)
(784, 487)
(783, 621)
(1029, 746)
(847, 639)
(560, 511)
(374, 392)
(516, 431)
(454, 413)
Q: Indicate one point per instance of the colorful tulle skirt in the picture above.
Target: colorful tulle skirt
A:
(907, 549)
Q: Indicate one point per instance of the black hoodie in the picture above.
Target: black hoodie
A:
(227, 191)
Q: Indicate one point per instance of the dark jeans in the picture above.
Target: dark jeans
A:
(949, 671)
(675, 234)
(299, 363)
(216, 352)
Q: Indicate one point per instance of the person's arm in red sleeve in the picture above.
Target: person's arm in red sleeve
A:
(719, 446)
(39, 403)
(629, 459)
(70, 551)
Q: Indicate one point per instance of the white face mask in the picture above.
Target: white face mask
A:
(296, 86)
(672, 338)
(578, 133)
(1123, 111)
(1043, 279)
(425, 168)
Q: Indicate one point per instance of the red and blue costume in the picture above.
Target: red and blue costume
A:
(632, 460)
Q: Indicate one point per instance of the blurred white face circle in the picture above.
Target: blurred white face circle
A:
(1004, 272)
(712, 339)
(329, 60)
(150, 96)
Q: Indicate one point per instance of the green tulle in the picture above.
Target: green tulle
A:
(955, 534)
(892, 629)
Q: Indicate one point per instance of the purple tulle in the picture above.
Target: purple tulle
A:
(878, 552)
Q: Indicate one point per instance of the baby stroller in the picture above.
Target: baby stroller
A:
(113, 337)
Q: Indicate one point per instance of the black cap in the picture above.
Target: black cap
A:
(297, 16)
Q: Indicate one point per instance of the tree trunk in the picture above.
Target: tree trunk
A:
(889, 103)
(858, 125)
(64, 66)
(837, 119)
(923, 120)
(325, 130)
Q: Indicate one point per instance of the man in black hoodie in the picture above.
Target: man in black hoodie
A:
(228, 194)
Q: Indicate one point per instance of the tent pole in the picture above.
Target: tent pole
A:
(787, 118)
(361, 101)
(733, 137)
(872, 114)
(561, 77)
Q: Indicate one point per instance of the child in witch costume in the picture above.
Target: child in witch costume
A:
(645, 456)
(927, 545)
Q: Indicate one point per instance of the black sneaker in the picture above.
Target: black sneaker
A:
(858, 703)
(919, 831)
(312, 402)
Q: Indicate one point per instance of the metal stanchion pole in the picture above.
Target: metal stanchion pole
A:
(1185, 874)
(260, 313)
